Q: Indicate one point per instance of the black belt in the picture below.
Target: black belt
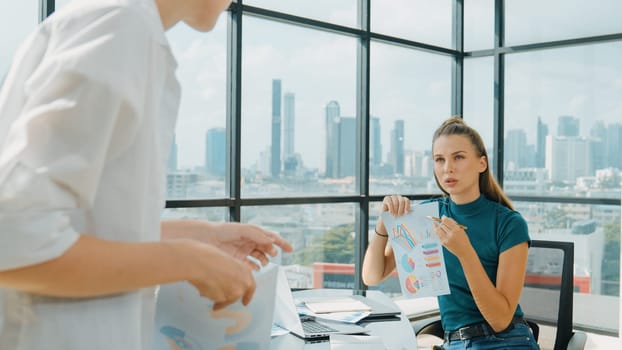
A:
(476, 330)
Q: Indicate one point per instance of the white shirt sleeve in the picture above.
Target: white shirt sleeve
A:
(79, 110)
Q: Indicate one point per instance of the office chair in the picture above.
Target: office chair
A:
(547, 297)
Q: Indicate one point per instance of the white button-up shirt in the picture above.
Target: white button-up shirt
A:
(87, 115)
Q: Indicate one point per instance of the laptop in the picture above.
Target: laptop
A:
(306, 327)
(376, 309)
(379, 310)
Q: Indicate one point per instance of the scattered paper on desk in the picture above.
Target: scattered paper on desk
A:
(344, 317)
(418, 252)
(337, 305)
(362, 342)
(186, 321)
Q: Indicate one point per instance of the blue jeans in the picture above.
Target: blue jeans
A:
(519, 336)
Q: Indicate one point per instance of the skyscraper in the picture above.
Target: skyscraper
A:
(332, 113)
(375, 147)
(288, 125)
(347, 147)
(397, 147)
(541, 133)
(598, 146)
(568, 125)
(614, 145)
(215, 151)
(567, 158)
(275, 147)
(515, 146)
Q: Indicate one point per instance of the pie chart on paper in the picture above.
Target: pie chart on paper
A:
(412, 284)
(408, 264)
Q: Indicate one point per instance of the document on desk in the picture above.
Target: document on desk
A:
(418, 252)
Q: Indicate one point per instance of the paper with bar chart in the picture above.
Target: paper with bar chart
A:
(418, 252)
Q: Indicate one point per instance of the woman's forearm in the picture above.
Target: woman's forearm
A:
(496, 303)
(95, 267)
(377, 264)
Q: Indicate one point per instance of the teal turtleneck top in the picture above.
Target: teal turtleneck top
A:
(492, 229)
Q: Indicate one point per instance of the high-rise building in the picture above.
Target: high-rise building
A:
(614, 145)
(567, 125)
(375, 146)
(347, 147)
(598, 146)
(171, 164)
(263, 163)
(332, 114)
(181, 185)
(292, 165)
(567, 158)
(427, 164)
(413, 163)
(514, 151)
(215, 151)
(519, 154)
(532, 181)
(396, 157)
(541, 133)
(289, 124)
(275, 147)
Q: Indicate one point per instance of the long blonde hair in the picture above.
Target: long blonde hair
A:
(488, 185)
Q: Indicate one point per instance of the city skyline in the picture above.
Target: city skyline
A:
(575, 153)
(420, 95)
(310, 123)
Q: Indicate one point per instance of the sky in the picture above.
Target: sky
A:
(406, 84)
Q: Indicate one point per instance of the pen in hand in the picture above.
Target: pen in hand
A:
(434, 218)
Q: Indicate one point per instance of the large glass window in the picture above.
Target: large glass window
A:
(479, 25)
(323, 237)
(298, 115)
(197, 161)
(530, 21)
(391, 285)
(17, 19)
(214, 214)
(60, 3)
(563, 126)
(563, 122)
(409, 99)
(418, 20)
(479, 100)
(342, 12)
(595, 232)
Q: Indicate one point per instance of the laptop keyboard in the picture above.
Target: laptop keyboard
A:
(311, 326)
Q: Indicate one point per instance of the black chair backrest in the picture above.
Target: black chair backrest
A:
(547, 297)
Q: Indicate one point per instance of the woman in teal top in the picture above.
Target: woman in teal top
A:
(486, 262)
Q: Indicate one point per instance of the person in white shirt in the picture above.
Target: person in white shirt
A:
(87, 116)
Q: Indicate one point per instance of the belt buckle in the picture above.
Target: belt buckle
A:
(461, 334)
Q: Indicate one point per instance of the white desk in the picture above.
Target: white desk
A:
(396, 334)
